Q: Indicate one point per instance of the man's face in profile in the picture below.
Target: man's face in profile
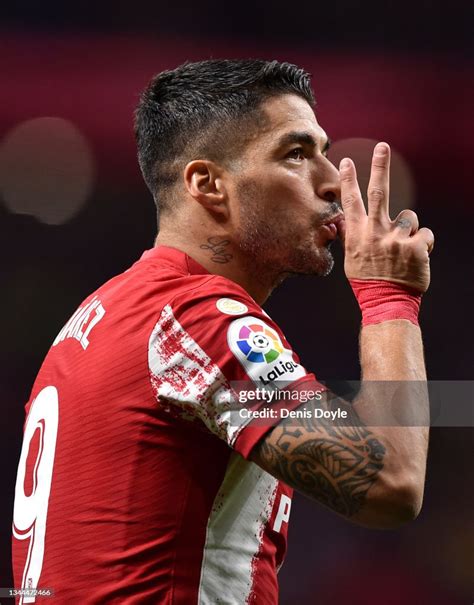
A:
(286, 192)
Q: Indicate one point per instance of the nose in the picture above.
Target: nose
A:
(329, 186)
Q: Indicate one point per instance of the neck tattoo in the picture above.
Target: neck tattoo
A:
(217, 247)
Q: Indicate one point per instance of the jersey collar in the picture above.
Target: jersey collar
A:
(176, 258)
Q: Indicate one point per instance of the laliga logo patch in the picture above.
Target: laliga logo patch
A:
(261, 352)
(259, 344)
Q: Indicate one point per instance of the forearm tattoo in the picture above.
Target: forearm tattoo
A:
(217, 246)
(335, 464)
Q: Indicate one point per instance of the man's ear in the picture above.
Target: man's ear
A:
(204, 181)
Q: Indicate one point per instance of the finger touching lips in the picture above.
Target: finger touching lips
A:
(351, 198)
(341, 229)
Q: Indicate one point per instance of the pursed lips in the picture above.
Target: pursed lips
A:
(331, 225)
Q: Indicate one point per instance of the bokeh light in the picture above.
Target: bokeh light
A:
(402, 184)
(46, 169)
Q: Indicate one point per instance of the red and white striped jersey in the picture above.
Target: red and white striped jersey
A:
(134, 484)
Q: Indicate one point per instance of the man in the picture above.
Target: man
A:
(142, 478)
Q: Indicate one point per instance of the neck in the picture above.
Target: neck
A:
(218, 255)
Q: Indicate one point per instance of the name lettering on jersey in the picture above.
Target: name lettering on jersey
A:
(261, 351)
(80, 325)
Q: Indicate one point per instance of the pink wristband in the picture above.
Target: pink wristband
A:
(383, 300)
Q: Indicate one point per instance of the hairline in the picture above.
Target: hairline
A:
(233, 155)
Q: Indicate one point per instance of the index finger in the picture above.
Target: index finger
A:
(351, 198)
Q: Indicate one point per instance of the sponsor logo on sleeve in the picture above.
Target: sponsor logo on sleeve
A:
(261, 351)
(229, 306)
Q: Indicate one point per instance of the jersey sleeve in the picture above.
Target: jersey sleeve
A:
(214, 343)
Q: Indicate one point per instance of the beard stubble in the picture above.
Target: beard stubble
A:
(275, 246)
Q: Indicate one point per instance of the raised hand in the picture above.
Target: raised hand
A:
(375, 246)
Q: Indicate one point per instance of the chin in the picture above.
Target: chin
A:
(320, 263)
(324, 268)
(328, 268)
(325, 263)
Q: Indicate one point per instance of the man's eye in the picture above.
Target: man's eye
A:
(296, 154)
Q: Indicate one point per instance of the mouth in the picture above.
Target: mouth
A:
(334, 226)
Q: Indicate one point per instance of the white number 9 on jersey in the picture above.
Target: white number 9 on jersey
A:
(30, 512)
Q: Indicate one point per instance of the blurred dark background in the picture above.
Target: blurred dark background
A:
(74, 212)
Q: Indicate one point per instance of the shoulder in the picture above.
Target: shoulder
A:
(209, 286)
(214, 296)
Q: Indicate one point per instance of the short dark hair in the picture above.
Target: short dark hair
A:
(203, 111)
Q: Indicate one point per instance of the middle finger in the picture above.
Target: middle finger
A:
(379, 184)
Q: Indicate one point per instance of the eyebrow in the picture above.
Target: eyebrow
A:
(304, 138)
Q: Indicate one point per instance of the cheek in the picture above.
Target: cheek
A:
(288, 193)
(277, 198)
